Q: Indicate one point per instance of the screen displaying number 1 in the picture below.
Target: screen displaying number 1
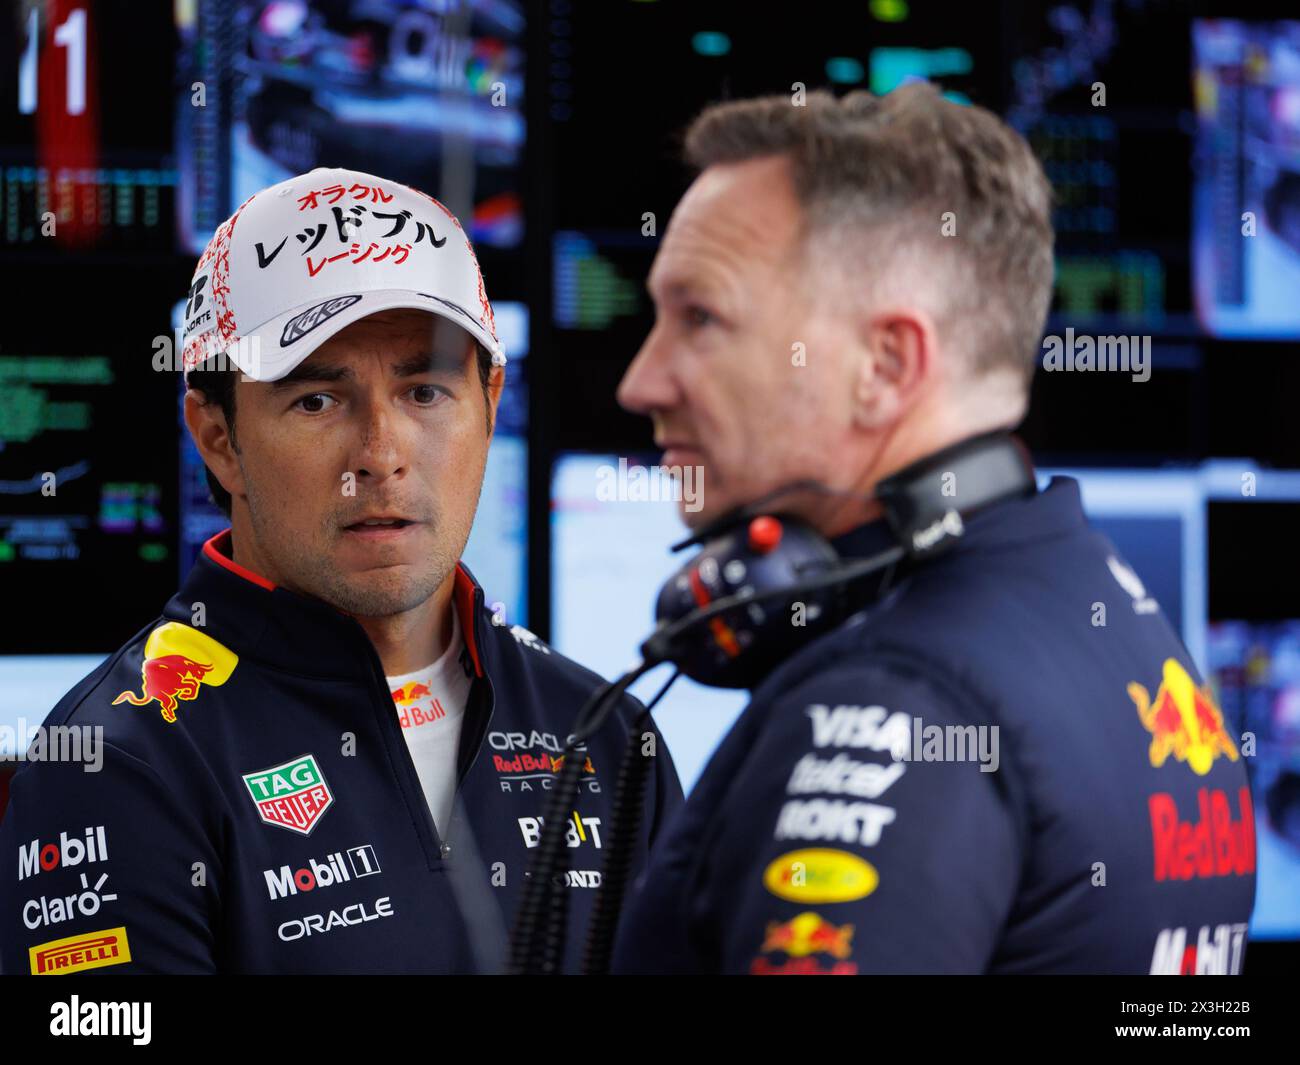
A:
(70, 34)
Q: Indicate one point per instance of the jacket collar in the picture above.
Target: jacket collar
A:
(1055, 511)
(293, 632)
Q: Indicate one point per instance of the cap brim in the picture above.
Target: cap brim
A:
(272, 350)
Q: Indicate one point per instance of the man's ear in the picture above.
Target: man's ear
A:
(896, 364)
(207, 425)
(495, 386)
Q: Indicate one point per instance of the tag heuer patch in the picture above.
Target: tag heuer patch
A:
(293, 795)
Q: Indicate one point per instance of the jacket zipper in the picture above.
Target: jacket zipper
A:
(488, 699)
(391, 729)
(481, 691)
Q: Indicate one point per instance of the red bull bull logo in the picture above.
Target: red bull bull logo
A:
(808, 934)
(1183, 721)
(417, 705)
(411, 691)
(178, 661)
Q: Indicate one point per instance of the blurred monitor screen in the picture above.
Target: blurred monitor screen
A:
(608, 560)
(1246, 195)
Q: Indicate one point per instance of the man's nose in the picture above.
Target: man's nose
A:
(380, 451)
(648, 385)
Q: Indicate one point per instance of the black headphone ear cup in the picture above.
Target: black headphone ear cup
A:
(753, 553)
(736, 648)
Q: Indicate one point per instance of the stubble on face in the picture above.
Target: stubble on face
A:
(390, 587)
(316, 558)
(760, 416)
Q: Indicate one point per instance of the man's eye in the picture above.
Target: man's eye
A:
(314, 402)
(427, 395)
(698, 317)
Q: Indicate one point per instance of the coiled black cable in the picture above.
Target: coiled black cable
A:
(537, 941)
(629, 801)
(629, 796)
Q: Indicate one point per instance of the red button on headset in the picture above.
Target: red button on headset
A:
(764, 534)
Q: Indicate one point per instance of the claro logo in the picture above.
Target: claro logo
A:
(38, 857)
(47, 910)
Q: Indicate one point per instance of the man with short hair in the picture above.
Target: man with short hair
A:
(852, 293)
(327, 755)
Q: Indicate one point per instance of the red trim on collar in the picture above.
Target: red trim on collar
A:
(462, 592)
(213, 549)
(462, 600)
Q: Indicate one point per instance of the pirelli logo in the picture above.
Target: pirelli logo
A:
(90, 950)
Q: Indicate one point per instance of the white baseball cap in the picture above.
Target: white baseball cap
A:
(301, 260)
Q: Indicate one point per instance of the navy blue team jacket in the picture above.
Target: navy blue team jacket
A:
(1104, 827)
(258, 811)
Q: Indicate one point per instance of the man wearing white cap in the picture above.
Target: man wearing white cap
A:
(327, 702)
